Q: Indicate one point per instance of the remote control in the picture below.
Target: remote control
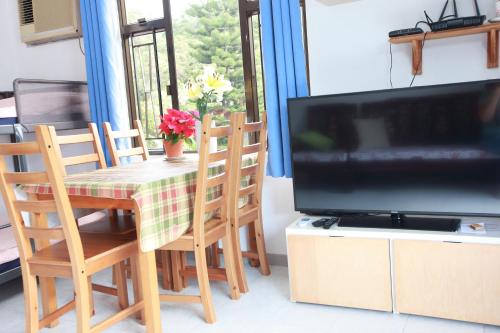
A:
(330, 222)
(319, 223)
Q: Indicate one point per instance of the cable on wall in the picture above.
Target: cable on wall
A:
(421, 58)
(80, 44)
(391, 61)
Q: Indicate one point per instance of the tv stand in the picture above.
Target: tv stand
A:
(450, 275)
(400, 221)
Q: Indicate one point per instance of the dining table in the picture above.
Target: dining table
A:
(161, 194)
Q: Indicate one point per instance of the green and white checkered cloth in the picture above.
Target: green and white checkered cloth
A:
(164, 192)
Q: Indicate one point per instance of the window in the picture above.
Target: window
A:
(166, 43)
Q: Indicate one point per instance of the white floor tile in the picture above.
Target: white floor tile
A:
(418, 324)
(265, 309)
(491, 329)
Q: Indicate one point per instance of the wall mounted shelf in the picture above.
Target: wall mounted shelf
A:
(416, 41)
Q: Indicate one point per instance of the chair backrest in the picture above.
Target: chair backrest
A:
(91, 137)
(214, 172)
(60, 203)
(136, 134)
(245, 151)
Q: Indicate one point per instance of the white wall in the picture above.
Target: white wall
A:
(349, 51)
(60, 60)
(278, 212)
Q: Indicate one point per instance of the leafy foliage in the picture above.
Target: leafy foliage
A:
(211, 35)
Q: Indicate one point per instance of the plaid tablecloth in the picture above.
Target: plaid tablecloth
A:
(164, 192)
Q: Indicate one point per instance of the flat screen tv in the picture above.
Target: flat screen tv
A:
(432, 150)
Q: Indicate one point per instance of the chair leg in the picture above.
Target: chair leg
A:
(204, 284)
(82, 307)
(229, 262)
(91, 296)
(113, 276)
(252, 244)
(183, 257)
(261, 245)
(166, 272)
(112, 214)
(48, 297)
(121, 285)
(128, 272)
(30, 303)
(238, 257)
(47, 284)
(208, 253)
(215, 263)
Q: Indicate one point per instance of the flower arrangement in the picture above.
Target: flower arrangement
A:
(207, 88)
(177, 126)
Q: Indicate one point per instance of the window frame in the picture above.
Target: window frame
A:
(248, 10)
(129, 30)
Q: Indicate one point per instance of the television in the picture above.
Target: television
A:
(62, 104)
(394, 158)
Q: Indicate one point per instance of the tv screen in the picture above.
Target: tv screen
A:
(423, 150)
(63, 104)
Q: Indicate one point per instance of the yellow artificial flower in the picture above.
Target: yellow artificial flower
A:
(194, 91)
(215, 82)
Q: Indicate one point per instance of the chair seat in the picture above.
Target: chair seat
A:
(99, 253)
(121, 226)
(215, 229)
(247, 214)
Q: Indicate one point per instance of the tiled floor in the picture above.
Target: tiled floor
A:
(265, 308)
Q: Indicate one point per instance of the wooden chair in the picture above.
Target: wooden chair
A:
(60, 251)
(251, 213)
(97, 156)
(119, 225)
(204, 233)
(141, 149)
(114, 225)
(135, 134)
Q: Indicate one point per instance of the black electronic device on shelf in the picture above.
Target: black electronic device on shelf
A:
(454, 21)
(399, 221)
(405, 32)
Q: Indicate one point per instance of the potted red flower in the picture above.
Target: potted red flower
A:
(176, 127)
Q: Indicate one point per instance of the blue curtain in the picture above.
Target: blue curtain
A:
(104, 63)
(284, 75)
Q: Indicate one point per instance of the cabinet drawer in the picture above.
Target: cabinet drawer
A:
(448, 280)
(351, 272)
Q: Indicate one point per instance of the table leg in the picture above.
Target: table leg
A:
(47, 284)
(150, 292)
(175, 257)
(166, 269)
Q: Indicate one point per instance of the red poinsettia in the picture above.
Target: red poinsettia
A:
(177, 125)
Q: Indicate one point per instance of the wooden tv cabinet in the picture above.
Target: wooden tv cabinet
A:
(450, 275)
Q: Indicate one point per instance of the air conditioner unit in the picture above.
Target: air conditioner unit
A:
(44, 21)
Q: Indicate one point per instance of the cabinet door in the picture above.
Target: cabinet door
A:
(448, 280)
(350, 272)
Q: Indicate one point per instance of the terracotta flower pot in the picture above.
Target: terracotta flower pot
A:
(173, 149)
